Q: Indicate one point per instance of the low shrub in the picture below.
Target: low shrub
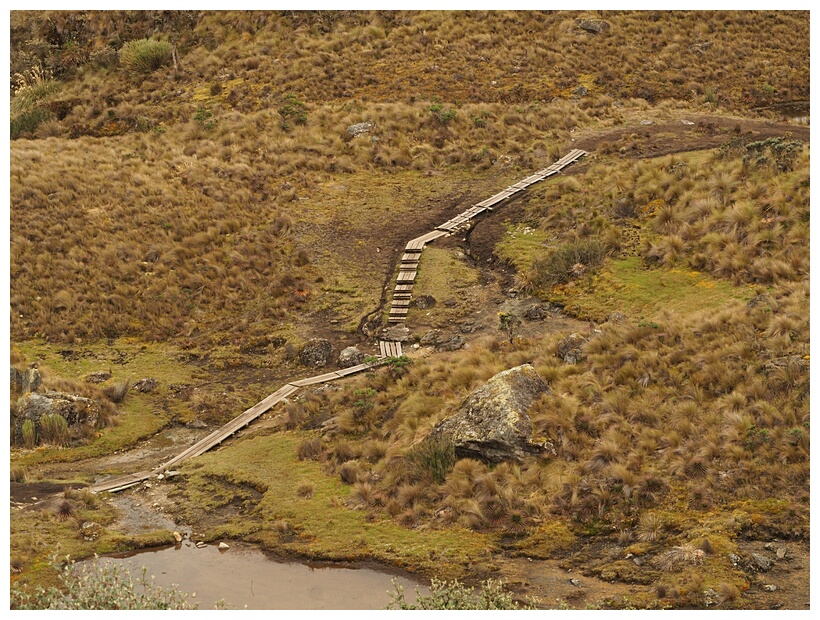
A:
(560, 266)
(54, 428)
(454, 595)
(101, 586)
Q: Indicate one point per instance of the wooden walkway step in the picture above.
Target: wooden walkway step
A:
(388, 348)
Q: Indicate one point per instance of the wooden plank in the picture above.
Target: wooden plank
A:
(329, 376)
(405, 277)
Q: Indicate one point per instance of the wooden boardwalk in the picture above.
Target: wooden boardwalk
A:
(408, 268)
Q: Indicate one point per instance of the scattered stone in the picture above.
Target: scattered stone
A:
(638, 561)
(781, 553)
(581, 91)
(145, 385)
(492, 424)
(77, 410)
(569, 349)
(468, 327)
(171, 473)
(430, 338)
(578, 269)
(770, 588)
(595, 26)
(781, 363)
(734, 559)
(396, 333)
(765, 300)
(90, 530)
(762, 561)
(647, 122)
(350, 356)
(223, 546)
(450, 303)
(359, 128)
(178, 537)
(435, 338)
(687, 122)
(316, 353)
(537, 312)
(99, 376)
(575, 582)
(199, 544)
(616, 317)
(422, 302)
(453, 343)
(196, 424)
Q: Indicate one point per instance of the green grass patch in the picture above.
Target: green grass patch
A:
(627, 286)
(521, 246)
(324, 526)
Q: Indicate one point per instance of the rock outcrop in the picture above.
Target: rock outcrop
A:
(359, 128)
(492, 424)
(76, 410)
(316, 353)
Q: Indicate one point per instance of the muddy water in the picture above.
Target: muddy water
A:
(245, 577)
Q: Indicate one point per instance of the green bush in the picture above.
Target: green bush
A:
(145, 55)
(433, 459)
(559, 266)
(454, 595)
(99, 587)
(54, 428)
(29, 433)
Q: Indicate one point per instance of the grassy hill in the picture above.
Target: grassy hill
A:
(187, 200)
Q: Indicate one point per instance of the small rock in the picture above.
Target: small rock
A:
(762, 561)
(100, 376)
(595, 26)
(396, 333)
(569, 349)
(350, 356)
(769, 546)
(160, 476)
(769, 587)
(223, 546)
(781, 553)
(687, 122)
(575, 582)
(647, 123)
(581, 91)
(199, 544)
(734, 559)
(422, 302)
(359, 128)
(177, 537)
(145, 385)
(90, 530)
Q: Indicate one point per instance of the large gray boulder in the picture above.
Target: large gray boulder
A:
(76, 410)
(492, 424)
(316, 353)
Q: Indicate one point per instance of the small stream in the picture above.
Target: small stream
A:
(246, 577)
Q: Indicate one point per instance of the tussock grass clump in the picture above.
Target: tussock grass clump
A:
(54, 429)
(145, 55)
(433, 459)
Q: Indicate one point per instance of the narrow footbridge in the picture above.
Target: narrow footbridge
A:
(388, 349)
